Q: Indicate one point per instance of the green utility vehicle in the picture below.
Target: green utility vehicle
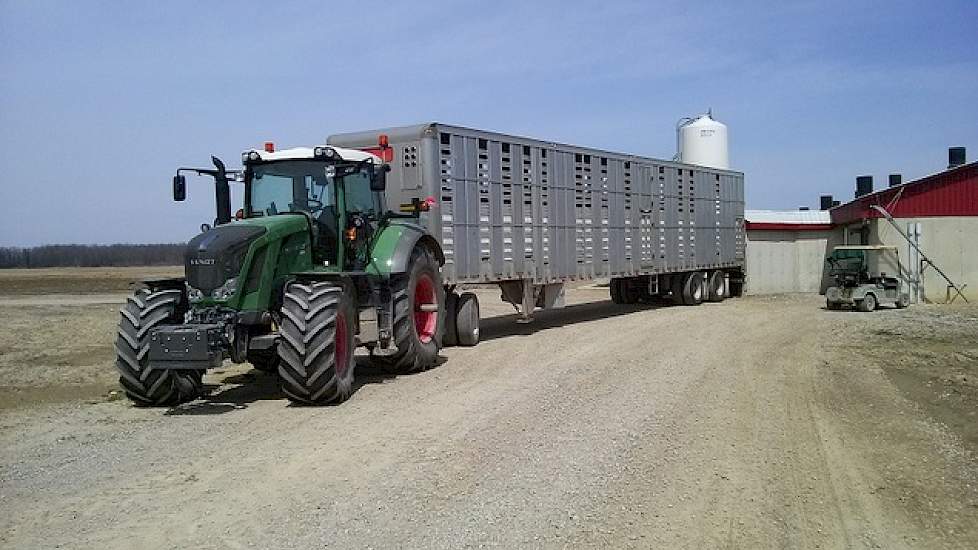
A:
(314, 265)
(862, 280)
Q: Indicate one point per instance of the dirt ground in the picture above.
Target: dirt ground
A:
(761, 422)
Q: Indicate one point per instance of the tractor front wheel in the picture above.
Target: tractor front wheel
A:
(317, 341)
(419, 315)
(144, 311)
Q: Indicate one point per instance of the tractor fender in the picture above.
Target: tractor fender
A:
(391, 251)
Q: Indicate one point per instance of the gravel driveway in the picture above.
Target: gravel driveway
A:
(736, 425)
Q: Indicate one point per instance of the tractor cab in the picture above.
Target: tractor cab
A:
(865, 277)
(340, 192)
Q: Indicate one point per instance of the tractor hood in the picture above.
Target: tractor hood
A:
(218, 254)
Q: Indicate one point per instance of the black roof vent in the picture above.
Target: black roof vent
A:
(864, 185)
(836, 203)
(955, 157)
(896, 179)
(803, 208)
(825, 202)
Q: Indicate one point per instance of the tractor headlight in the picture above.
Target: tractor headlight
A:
(250, 156)
(226, 290)
(194, 295)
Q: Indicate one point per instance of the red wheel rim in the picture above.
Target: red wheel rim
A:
(425, 322)
(342, 350)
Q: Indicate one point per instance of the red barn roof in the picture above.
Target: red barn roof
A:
(950, 193)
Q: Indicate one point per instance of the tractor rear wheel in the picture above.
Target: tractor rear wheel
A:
(145, 310)
(419, 315)
(317, 341)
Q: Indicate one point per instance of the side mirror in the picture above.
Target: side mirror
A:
(179, 188)
(378, 179)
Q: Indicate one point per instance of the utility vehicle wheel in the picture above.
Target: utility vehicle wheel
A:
(903, 301)
(316, 346)
(467, 319)
(693, 288)
(145, 310)
(868, 303)
(716, 287)
(264, 360)
(450, 336)
(419, 315)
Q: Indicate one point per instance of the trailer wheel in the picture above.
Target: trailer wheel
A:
(692, 288)
(316, 349)
(450, 335)
(145, 310)
(615, 287)
(419, 315)
(735, 289)
(716, 287)
(868, 303)
(467, 319)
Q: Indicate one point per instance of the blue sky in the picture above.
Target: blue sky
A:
(100, 101)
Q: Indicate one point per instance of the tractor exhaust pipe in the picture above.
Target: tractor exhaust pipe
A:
(222, 192)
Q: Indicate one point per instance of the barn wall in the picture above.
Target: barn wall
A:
(951, 242)
(788, 261)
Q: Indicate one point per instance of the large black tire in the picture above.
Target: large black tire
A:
(625, 291)
(265, 360)
(450, 335)
(145, 310)
(315, 351)
(716, 287)
(693, 288)
(415, 351)
(615, 288)
(467, 319)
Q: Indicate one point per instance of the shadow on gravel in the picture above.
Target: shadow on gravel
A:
(502, 326)
(234, 393)
(238, 391)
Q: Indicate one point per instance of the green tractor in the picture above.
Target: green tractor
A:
(311, 267)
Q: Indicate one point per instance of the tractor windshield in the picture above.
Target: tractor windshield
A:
(290, 186)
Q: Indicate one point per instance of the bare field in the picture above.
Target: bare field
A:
(78, 280)
(758, 422)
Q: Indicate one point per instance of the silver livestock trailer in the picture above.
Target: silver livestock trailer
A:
(531, 215)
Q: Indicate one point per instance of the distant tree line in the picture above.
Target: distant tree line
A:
(92, 255)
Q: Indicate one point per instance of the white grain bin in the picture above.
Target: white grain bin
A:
(702, 140)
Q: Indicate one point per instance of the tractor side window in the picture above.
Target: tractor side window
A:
(271, 194)
(359, 197)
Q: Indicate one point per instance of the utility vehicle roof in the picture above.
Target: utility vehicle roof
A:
(866, 247)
